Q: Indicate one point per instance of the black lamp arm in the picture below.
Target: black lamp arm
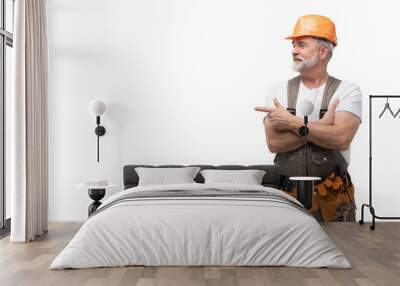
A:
(303, 131)
(100, 131)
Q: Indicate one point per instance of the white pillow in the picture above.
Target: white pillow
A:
(164, 176)
(249, 177)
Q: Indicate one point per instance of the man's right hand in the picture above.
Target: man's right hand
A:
(329, 116)
(265, 109)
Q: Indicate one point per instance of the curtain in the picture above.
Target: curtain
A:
(29, 122)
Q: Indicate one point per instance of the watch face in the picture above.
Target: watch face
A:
(303, 130)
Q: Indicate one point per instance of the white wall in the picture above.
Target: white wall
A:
(181, 79)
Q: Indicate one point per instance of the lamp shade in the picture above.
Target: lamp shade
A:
(97, 107)
(306, 107)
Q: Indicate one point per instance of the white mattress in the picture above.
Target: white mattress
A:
(200, 231)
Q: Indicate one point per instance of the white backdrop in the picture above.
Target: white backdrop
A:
(181, 79)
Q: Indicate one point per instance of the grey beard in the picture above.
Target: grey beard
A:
(305, 65)
(298, 67)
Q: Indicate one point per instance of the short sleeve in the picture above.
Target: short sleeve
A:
(350, 99)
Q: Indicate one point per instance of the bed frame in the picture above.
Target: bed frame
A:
(270, 179)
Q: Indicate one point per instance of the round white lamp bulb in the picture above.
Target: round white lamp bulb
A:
(306, 107)
(97, 107)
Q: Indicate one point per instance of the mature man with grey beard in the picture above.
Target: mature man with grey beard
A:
(332, 124)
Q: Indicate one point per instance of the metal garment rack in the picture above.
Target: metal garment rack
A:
(369, 205)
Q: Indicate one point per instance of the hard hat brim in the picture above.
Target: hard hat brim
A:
(293, 37)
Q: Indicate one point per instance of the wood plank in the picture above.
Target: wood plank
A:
(374, 255)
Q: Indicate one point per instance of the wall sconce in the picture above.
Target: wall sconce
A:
(97, 107)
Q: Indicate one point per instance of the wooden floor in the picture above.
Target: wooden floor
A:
(375, 256)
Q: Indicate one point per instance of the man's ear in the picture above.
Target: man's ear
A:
(324, 51)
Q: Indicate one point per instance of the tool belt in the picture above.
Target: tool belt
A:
(333, 198)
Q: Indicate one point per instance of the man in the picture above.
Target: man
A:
(333, 122)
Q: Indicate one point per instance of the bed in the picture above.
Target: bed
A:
(201, 224)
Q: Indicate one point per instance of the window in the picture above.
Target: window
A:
(6, 44)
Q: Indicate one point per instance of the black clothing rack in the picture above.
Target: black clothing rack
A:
(369, 205)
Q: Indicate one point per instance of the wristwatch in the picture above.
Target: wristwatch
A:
(303, 130)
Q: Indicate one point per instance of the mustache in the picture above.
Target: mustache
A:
(297, 59)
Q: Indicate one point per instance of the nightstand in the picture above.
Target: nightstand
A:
(96, 193)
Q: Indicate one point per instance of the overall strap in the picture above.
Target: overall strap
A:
(292, 93)
(331, 86)
(293, 90)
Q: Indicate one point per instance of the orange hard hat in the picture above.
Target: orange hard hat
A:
(315, 26)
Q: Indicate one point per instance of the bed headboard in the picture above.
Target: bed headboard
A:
(270, 179)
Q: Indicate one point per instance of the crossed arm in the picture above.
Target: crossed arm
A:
(281, 141)
(335, 130)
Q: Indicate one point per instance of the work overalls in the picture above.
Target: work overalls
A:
(334, 195)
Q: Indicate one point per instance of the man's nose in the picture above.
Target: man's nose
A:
(295, 51)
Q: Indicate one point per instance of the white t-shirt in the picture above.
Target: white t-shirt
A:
(349, 95)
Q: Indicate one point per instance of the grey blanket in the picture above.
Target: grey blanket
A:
(204, 194)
